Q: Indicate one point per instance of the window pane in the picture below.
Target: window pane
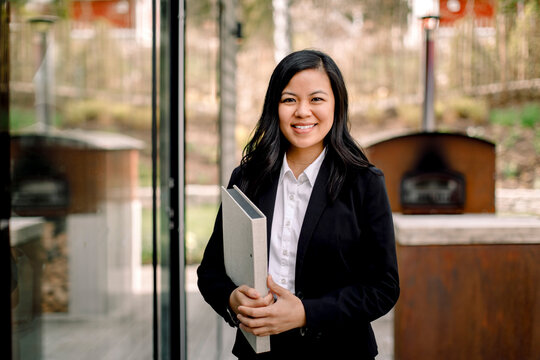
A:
(80, 122)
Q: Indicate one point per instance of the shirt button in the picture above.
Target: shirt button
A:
(288, 223)
(283, 281)
(291, 196)
(283, 262)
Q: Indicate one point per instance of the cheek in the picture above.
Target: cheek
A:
(327, 119)
(283, 122)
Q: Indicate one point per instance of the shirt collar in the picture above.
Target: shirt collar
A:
(310, 172)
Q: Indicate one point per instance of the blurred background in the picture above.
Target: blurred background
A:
(80, 80)
(487, 66)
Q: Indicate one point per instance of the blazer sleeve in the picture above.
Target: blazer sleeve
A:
(213, 282)
(375, 289)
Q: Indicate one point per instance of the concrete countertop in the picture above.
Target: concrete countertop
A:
(415, 230)
(25, 229)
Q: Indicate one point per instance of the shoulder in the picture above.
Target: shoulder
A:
(363, 174)
(236, 173)
(236, 177)
(240, 177)
(365, 182)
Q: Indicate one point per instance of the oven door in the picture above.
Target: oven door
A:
(437, 192)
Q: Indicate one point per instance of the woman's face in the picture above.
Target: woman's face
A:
(306, 110)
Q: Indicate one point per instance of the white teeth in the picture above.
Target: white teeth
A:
(304, 127)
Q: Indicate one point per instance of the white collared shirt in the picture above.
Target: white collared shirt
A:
(289, 210)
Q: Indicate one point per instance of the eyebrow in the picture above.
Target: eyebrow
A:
(313, 93)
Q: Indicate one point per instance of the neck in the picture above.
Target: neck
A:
(300, 159)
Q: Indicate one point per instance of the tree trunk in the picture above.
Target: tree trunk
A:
(282, 29)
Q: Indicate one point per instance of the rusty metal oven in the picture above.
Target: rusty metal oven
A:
(437, 173)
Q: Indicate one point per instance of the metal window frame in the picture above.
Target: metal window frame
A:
(170, 274)
(5, 197)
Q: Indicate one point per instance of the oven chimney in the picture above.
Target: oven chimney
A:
(429, 24)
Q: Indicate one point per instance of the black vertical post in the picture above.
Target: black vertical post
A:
(176, 215)
(171, 172)
(5, 197)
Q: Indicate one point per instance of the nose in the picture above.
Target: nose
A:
(302, 109)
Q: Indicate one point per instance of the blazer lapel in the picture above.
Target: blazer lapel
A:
(315, 208)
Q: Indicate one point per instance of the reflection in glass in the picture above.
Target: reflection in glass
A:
(80, 119)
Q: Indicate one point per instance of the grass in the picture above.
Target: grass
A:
(530, 115)
(20, 118)
(527, 116)
(199, 225)
(146, 233)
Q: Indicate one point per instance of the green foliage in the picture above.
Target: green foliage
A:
(146, 233)
(506, 117)
(145, 172)
(526, 116)
(530, 115)
(199, 225)
(20, 118)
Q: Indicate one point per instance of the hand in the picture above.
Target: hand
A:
(246, 296)
(286, 313)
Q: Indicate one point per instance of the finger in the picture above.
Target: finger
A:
(251, 322)
(253, 312)
(269, 298)
(275, 288)
(256, 326)
(257, 303)
(254, 331)
(249, 292)
(258, 331)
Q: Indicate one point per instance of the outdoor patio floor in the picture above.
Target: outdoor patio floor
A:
(128, 335)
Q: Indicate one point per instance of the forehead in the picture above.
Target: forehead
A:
(309, 79)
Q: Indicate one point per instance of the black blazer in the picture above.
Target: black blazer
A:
(346, 269)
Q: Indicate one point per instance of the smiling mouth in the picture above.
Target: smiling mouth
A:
(303, 127)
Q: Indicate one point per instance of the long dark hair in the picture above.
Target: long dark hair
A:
(263, 155)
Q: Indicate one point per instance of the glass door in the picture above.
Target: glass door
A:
(77, 116)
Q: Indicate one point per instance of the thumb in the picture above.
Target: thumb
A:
(275, 288)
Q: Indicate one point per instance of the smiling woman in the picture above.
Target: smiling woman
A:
(332, 260)
(306, 115)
